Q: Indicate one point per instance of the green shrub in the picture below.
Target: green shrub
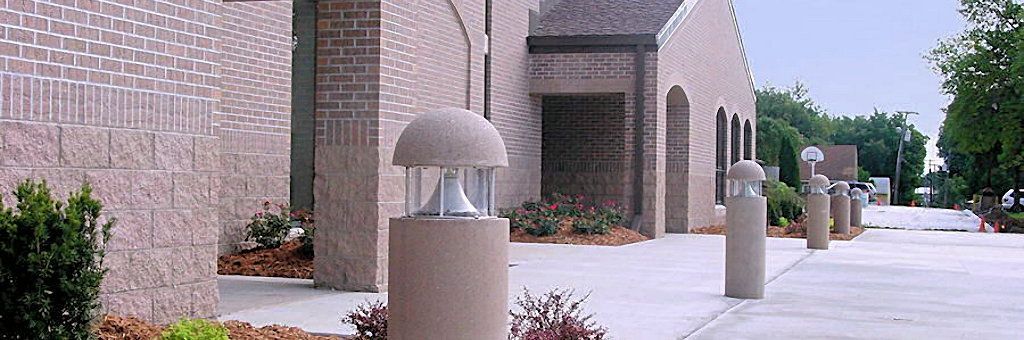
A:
(51, 264)
(783, 203)
(544, 217)
(370, 321)
(267, 228)
(195, 329)
(783, 222)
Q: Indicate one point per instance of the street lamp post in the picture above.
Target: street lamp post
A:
(904, 137)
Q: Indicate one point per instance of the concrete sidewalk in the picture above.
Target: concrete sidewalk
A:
(658, 289)
(918, 218)
(885, 284)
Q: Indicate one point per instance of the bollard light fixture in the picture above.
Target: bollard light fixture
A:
(450, 157)
(745, 179)
(818, 184)
(841, 189)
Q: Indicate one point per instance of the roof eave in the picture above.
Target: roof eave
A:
(590, 43)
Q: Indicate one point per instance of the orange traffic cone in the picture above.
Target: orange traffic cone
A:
(913, 203)
(956, 206)
(995, 229)
(981, 227)
(878, 202)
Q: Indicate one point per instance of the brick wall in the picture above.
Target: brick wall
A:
(255, 112)
(127, 98)
(705, 58)
(514, 112)
(584, 146)
(614, 72)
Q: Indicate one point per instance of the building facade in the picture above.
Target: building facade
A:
(183, 115)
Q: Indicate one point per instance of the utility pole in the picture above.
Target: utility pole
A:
(904, 137)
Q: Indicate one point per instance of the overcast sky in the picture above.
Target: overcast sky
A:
(853, 56)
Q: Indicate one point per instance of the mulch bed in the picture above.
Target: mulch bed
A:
(131, 328)
(616, 237)
(781, 232)
(285, 261)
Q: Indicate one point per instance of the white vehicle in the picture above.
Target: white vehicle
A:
(1008, 198)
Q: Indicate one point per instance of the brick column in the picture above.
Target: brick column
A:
(350, 243)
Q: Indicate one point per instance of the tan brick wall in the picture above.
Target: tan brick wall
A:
(704, 57)
(126, 97)
(255, 114)
(514, 112)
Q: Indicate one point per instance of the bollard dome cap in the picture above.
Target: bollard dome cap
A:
(819, 181)
(842, 187)
(450, 137)
(746, 170)
(856, 192)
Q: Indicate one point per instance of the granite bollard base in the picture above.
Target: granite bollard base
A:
(856, 213)
(745, 247)
(448, 278)
(817, 221)
(841, 213)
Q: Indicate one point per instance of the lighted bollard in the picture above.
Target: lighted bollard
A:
(841, 207)
(817, 213)
(448, 257)
(746, 218)
(856, 207)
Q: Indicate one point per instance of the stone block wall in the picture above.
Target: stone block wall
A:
(127, 98)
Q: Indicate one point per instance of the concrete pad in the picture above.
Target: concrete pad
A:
(886, 284)
(883, 287)
(658, 289)
(917, 218)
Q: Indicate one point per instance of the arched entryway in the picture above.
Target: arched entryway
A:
(721, 157)
(677, 108)
(748, 141)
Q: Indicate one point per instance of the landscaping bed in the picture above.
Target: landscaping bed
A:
(617, 236)
(288, 260)
(130, 328)
(780, 232)
(570, 219)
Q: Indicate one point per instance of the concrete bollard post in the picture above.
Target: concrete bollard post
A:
(856, 207)
(817, 213)
(746, 218)
(841, 208)
(448, 257)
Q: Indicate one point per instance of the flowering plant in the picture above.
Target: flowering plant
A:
(556, 315)
(269, 228)
(545, 217)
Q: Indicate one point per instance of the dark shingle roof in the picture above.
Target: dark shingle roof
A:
(606, 17)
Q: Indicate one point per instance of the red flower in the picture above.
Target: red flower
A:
(553, 206)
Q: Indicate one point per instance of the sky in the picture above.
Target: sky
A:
(853, 56)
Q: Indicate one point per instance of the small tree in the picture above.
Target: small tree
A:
(51, 264)
(789, 168)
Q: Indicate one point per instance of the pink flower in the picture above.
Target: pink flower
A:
(553, 206)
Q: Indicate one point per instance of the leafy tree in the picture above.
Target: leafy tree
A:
(983, 69)
(789, 168)
(877, 138)
(770, 134)
(794, 107)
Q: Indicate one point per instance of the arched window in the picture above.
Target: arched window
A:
(735, 147)
(721, 158)
(748, 141)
